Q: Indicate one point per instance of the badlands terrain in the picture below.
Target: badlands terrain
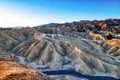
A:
(81, 50)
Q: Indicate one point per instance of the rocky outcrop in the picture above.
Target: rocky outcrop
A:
(15, 71)
(97, 37)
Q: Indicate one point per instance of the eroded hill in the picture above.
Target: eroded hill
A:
(88, 45)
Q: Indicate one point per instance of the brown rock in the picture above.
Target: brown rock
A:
(15, 71)
(113, 47)
(103, 25)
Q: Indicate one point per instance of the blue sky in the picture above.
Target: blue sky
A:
(36, 12)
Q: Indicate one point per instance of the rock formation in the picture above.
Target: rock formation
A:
(15, 71)
(85, 56)
(112, 47)
(89, 45)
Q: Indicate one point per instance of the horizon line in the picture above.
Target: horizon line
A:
(55, 23)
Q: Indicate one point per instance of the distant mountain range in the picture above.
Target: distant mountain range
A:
(48, 25)
(96, 26)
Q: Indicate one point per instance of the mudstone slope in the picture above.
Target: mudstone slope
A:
(88, 45)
